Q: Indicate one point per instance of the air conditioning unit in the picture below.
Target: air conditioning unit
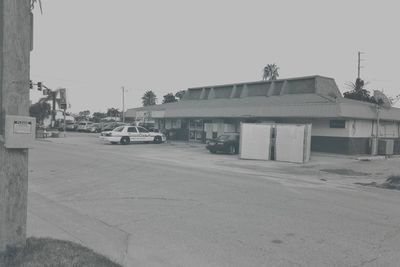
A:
(385, 147)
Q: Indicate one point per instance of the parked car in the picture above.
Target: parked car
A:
(148, 125)
(226, 143)
(70, 126)
(127, 134)
(112, 125)
(95, 128)
(83, 126)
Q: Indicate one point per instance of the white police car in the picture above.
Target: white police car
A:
(127, 134)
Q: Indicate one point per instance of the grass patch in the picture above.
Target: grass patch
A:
(46, 252)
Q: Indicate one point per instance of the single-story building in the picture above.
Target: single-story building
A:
(339, 125)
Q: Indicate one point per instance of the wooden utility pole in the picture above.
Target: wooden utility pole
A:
(15, 46)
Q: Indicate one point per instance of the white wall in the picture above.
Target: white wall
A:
(361, 128)
(356, 128)
(321, 128)
(389, 129)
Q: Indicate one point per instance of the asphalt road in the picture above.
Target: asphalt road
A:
(177, 205)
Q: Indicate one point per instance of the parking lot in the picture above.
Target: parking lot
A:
(175, 204)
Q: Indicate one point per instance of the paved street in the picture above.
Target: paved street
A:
(177, 205)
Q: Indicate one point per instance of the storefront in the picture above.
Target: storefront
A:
(339, 125)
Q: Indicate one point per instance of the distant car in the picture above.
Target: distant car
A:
(226, 143)
(95, 128)
(70, 126)
(127, 134)
(83, 126)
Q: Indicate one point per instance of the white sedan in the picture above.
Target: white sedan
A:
(126, 134)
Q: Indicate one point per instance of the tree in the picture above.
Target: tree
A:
(169, 98)
(358, 92)
(40, 111)
(149, 98)
(113, 112)
(84, 113)
(97, 116)
(270, 72)
(180, 94)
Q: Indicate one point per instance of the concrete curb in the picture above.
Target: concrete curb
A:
(369, 158)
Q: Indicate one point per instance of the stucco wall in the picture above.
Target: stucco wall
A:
(321, 128)
(360, 128)
(367, 128)
(389, 129)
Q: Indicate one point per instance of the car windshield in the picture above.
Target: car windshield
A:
(118, 129)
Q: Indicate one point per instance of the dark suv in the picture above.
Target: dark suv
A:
(226, 143)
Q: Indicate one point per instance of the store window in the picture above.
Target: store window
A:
(337, 124)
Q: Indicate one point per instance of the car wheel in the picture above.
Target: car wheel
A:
(232, 150)
(157, 140)
(213, 151)
(124, 140)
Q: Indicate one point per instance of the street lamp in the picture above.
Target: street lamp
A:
(123, 103)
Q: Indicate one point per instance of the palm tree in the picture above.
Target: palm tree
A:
(357, 91)
(270, 72)
(149, 98)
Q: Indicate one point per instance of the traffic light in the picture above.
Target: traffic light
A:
(39, 86)
(30, 84)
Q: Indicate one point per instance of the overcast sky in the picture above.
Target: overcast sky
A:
(93, 47)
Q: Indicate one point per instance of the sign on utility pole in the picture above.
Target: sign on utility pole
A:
(16, 128)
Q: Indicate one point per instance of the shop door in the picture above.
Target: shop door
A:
(196, 130)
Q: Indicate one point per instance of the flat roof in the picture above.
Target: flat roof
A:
(311, 97)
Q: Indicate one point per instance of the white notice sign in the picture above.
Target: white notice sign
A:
(22, 127)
